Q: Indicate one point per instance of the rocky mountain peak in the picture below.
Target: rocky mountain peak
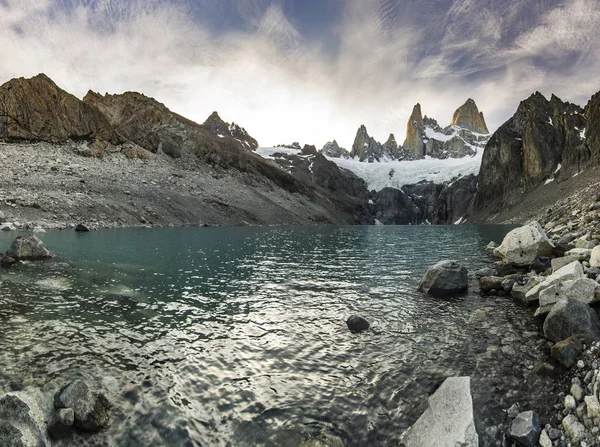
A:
(413, 143)
(220, 128)
(391, 143)
(333, 149)
(469, 117)
(37, 109)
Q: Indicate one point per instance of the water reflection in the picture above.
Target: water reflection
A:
(218, 336)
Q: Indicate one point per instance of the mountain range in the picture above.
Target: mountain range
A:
(546, 143)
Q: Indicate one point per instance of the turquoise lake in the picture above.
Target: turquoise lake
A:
(237, 336)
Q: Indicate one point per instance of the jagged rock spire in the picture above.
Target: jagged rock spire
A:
(469, 117)
(414, 133)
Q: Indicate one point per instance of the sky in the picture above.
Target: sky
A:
(310, 70)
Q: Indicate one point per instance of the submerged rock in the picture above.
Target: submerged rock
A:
(523, 245)
(91, 409)
(572, 318)
(526, 429)
(446, 278)
(448, 421)
(357, 324)
(28, 248)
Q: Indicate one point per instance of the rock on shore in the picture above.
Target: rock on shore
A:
(446, 278)
(449, 420)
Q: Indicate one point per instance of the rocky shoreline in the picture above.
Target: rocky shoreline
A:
(553, 269)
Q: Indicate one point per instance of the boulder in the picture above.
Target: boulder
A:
(572, 318)
(593, 409)
(357, 324)
(581, 254)
(488, 283)
(567, 351)
(446, 278)
(91, 408)
(581, 289)
(526, 429)
(28, 248)
(82, 228)
(522, 245)
(595, 257)
(508, 284)
(558, 263)
(566, 273)
(448, 421)
(491, 246)
(22, 421)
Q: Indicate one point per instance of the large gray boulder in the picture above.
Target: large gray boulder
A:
(570, 317)
(569, 272)
(22, 421)
(446, 278)
(522, 245)
(449, 421)
(526, 429)
(91, 408)
(581, 289)
(28, 248)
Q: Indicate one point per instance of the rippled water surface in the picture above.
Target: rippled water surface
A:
(237, 336)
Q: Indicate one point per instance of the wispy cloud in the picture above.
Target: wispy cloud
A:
(251, 61)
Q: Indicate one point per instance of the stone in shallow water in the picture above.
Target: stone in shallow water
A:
(61, 422)
(357, 324)
(526, 429)
(448, 422)
(90, 407)
(28, 248)
(446, 278)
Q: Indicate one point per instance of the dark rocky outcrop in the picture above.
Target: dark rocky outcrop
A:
(569, 318)
(469, 117)
(332, 149)
(366, 148)
(425, 202)
(542, 141)
(37, 109)
(221, 129)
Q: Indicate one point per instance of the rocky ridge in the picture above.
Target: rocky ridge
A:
(545, 141)
(67, 161)
(424, 137)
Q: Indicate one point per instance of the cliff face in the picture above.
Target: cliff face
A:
(544, 140)
(425, 202)
(37, 109)
(469, 117)
(415, 127)
(592, 131)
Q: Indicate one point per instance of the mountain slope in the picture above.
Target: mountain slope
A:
(544, 141)
(37, 109)
(125, 133)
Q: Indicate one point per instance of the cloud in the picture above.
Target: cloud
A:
(251, 61)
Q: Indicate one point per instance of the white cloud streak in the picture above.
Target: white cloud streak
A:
(283, 86)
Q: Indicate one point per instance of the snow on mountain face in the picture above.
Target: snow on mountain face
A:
(429, 152)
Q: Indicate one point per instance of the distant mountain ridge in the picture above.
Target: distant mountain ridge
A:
(466, 134)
